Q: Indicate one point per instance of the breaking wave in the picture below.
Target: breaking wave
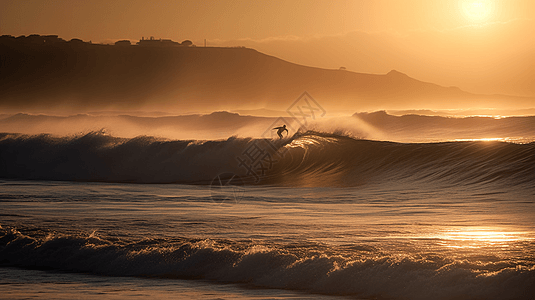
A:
(362, 270)
(306, 159)
(329, 159)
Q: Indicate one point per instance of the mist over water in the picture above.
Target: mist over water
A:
(380, 125)
(306, 159)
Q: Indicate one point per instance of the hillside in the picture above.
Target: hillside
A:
(92, 76)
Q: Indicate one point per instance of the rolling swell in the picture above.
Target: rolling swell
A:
(362, 271)
(314, 159)
(97, 156)
(306, 159)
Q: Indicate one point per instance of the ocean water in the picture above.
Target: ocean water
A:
(318, 215)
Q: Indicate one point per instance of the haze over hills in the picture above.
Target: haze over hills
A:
(224, 125)
(80, 76)
(216, 125)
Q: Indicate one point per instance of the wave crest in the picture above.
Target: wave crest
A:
(323, 159)
(306, 159)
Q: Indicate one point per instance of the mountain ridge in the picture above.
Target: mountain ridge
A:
(85, 76)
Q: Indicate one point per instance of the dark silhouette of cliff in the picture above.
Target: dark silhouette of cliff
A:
(44, 72)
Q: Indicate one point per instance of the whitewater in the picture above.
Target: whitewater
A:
(317, 215)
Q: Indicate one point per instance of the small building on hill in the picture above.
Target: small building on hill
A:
(152, 42)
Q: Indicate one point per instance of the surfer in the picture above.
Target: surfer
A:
(281, 130)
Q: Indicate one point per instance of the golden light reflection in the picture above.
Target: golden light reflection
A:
(514, 140)
(304, 141)
(480, 237)
(506, 139)
(496, 117)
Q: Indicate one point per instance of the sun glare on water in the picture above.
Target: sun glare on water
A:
(506, 139)
(480, 237)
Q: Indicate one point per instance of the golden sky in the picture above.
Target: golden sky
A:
(482, 46)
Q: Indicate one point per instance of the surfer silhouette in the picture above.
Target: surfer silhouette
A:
(280, 130)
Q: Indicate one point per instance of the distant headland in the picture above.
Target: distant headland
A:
(46, 71)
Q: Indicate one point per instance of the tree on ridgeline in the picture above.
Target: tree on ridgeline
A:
(187, 43)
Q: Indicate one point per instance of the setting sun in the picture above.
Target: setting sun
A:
(477, 11)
